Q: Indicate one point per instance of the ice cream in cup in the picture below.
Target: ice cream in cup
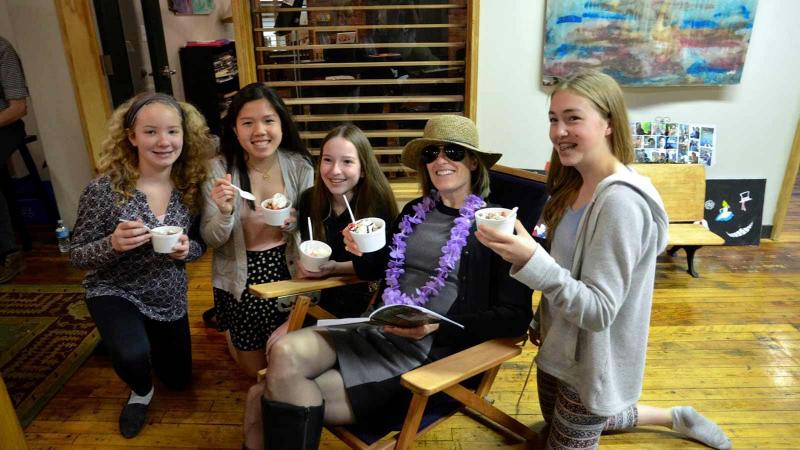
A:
(499, 218)
(276, 209)
(369, 233)
(164, 238)
(313, 254)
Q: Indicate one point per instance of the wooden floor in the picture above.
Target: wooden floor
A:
(727, 343)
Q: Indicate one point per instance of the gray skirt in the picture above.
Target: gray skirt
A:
(371, 363)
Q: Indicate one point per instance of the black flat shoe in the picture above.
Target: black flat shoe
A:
(210, 317)
(132, 419)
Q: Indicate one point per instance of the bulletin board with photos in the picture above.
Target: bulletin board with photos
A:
(664, 141)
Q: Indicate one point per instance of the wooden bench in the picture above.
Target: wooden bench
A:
(683, 190)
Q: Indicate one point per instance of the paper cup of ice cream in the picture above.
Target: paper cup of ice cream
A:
(164, 238)
(313, 254)
(499, 218)
(276, 209)
(369, 233)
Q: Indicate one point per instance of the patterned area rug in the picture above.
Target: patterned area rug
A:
(45, 335)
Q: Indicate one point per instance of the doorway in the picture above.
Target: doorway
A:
(134, 49)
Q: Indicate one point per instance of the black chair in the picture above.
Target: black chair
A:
(7, 186)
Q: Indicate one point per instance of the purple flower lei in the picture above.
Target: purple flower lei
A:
(451, 251)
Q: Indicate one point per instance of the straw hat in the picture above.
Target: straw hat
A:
(447, 129)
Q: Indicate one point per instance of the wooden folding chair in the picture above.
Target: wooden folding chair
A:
(447, 376)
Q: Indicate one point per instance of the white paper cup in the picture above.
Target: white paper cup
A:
(275, 217)
(321, 253)
(164, 238)
(370, 242)
(504, 225)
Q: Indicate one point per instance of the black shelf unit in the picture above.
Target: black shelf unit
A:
(210, 79)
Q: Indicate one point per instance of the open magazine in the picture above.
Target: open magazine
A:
(403, 316)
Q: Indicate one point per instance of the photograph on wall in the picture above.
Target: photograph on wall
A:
(734, 209)
(649, 42)
(674, 142)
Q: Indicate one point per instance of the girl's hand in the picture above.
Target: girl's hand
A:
(129, 235)
(516, 249)
(325, 269)
(290, 220)
(415, 333)
(223, 193)
(349, 244)
(180, 250)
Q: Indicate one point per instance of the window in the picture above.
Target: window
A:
(385, 65)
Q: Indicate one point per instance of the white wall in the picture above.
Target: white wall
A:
(755, 119)
(35, 33)
(179, 29)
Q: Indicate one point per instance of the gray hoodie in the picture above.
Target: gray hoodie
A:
(596, 316)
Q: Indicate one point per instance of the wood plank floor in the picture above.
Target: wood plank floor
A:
(727, 343)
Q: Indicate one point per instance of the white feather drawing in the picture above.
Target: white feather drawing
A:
(741, 231)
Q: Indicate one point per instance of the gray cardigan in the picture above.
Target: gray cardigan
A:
(596, 316)
(224, 232)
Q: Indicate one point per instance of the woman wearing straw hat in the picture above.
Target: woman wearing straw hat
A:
(351, 374)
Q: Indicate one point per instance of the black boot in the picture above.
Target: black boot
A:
(290, 427)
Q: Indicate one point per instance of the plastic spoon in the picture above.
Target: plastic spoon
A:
(245, 195)
(310, 234)
(128, 220)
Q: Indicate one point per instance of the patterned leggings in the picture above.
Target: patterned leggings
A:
(571, 425)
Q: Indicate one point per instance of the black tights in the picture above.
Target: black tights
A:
(138, 343)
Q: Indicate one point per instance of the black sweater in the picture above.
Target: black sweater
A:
(490, 303)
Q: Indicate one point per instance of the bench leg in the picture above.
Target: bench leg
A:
(674, 250)
(690, 250)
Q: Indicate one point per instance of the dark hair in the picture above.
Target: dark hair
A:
(373, 193)
(479, 178)
(235, 155)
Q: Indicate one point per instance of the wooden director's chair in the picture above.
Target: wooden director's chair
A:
(510, 187)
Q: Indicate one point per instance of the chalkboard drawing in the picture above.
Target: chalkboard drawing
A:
(744, 197)
(741, 231)
(709, 205)
(725, 213)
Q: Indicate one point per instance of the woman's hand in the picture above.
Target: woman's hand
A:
(325, 269)
(128, 235)
(514, 248)
(415, 333)
(180, 250)
(350, 244)
(290, 220)
(223, 193)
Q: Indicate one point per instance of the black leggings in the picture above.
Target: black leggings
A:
(137, 343)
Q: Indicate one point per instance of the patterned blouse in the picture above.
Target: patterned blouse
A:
(154, 282)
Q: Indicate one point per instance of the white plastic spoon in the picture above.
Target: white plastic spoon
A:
(245, 195)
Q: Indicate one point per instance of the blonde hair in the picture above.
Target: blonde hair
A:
(119, 159)
(605, 95)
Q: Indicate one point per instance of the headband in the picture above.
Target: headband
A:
(130, 116)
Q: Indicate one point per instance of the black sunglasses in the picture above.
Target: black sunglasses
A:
(453, 152)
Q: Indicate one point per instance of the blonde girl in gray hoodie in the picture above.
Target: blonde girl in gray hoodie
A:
(606, 226)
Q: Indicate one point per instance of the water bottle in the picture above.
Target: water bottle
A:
(62, 234)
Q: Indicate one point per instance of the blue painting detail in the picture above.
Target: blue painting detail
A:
(650, 42)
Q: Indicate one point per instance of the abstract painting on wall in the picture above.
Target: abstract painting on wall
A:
(649, 42)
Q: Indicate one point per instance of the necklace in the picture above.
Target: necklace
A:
(451, 251)
(264, 173)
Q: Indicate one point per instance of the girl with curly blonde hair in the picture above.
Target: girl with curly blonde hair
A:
(152, 166)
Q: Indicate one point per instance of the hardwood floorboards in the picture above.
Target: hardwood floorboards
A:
(727, 343)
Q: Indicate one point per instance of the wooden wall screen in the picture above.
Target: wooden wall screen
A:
(385, 65)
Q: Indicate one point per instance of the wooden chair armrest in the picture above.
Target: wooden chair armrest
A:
(440, 375)
(297, 287)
